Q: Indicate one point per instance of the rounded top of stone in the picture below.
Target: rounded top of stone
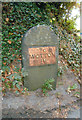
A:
(40, 35)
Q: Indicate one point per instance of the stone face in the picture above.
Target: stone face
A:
(39, 56)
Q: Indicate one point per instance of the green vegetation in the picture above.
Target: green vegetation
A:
(74, 88)
(60, 71)
(47, 86)
(17, 18)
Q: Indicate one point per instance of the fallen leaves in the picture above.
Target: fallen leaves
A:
(77, 94)
(79, 81)
(71, 88)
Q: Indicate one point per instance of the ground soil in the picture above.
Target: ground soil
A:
(58, 104)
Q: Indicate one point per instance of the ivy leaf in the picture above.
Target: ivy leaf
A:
(73, 87)
(3, 79)
(18, 86)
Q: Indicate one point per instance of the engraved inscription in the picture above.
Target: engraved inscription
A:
(42, 56)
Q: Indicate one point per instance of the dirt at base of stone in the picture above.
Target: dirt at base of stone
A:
(22, 112)
(59, 104)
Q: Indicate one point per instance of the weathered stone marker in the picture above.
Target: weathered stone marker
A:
(39, 56)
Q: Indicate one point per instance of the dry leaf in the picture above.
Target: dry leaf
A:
(9, 42)
(79, 81)
(7, 19)
(4, 63)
